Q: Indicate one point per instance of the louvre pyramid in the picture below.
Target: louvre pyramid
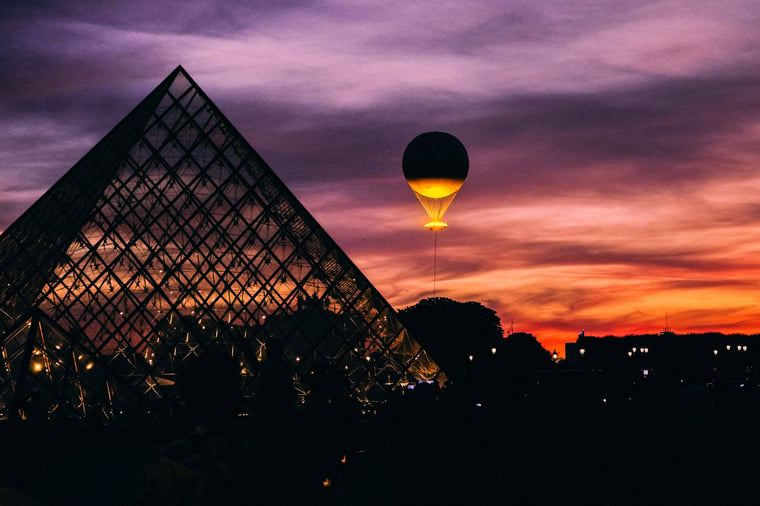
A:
(170, 237)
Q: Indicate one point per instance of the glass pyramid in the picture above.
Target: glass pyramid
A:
(170, 237)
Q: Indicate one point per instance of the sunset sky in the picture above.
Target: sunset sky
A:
(614, 146)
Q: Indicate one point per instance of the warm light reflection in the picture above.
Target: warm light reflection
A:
(435, 195)
(436, 225)
(435, 188)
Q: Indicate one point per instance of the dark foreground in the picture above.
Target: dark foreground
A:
(655, 444)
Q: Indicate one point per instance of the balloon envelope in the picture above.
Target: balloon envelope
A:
(435, 165)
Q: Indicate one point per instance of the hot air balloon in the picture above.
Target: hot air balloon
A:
(435, 166)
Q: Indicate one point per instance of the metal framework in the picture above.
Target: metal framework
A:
(171, 236)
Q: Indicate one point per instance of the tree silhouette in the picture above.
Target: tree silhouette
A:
(521, 351)
(452, 332)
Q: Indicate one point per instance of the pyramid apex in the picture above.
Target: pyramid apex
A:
(179, 69)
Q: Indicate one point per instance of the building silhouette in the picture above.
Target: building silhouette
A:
(169, 238)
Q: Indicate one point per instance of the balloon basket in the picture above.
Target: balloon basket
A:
(435, 226)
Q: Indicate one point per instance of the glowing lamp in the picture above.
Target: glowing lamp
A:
(37, 365)
(435, 226)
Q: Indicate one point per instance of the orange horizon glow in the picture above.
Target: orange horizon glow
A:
(555, 266)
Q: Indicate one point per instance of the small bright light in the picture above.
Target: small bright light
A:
(630, 353)
(582, 351)
(634, 349)
(471, 357)
(89, 365)
(493, 351)
(728, 347)
(715, 352)
(327, 482)
(436, 225)
(37, 367)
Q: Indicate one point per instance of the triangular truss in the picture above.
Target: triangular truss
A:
(169, 237)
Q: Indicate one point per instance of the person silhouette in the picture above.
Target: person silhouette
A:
(211, 464)
(285, 467)
(276, 394)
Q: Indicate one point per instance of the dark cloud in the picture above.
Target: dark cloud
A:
(166, 17)
(666, 132)
(691, 284)
(492, 25)
(664, 135)
(544, 253)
